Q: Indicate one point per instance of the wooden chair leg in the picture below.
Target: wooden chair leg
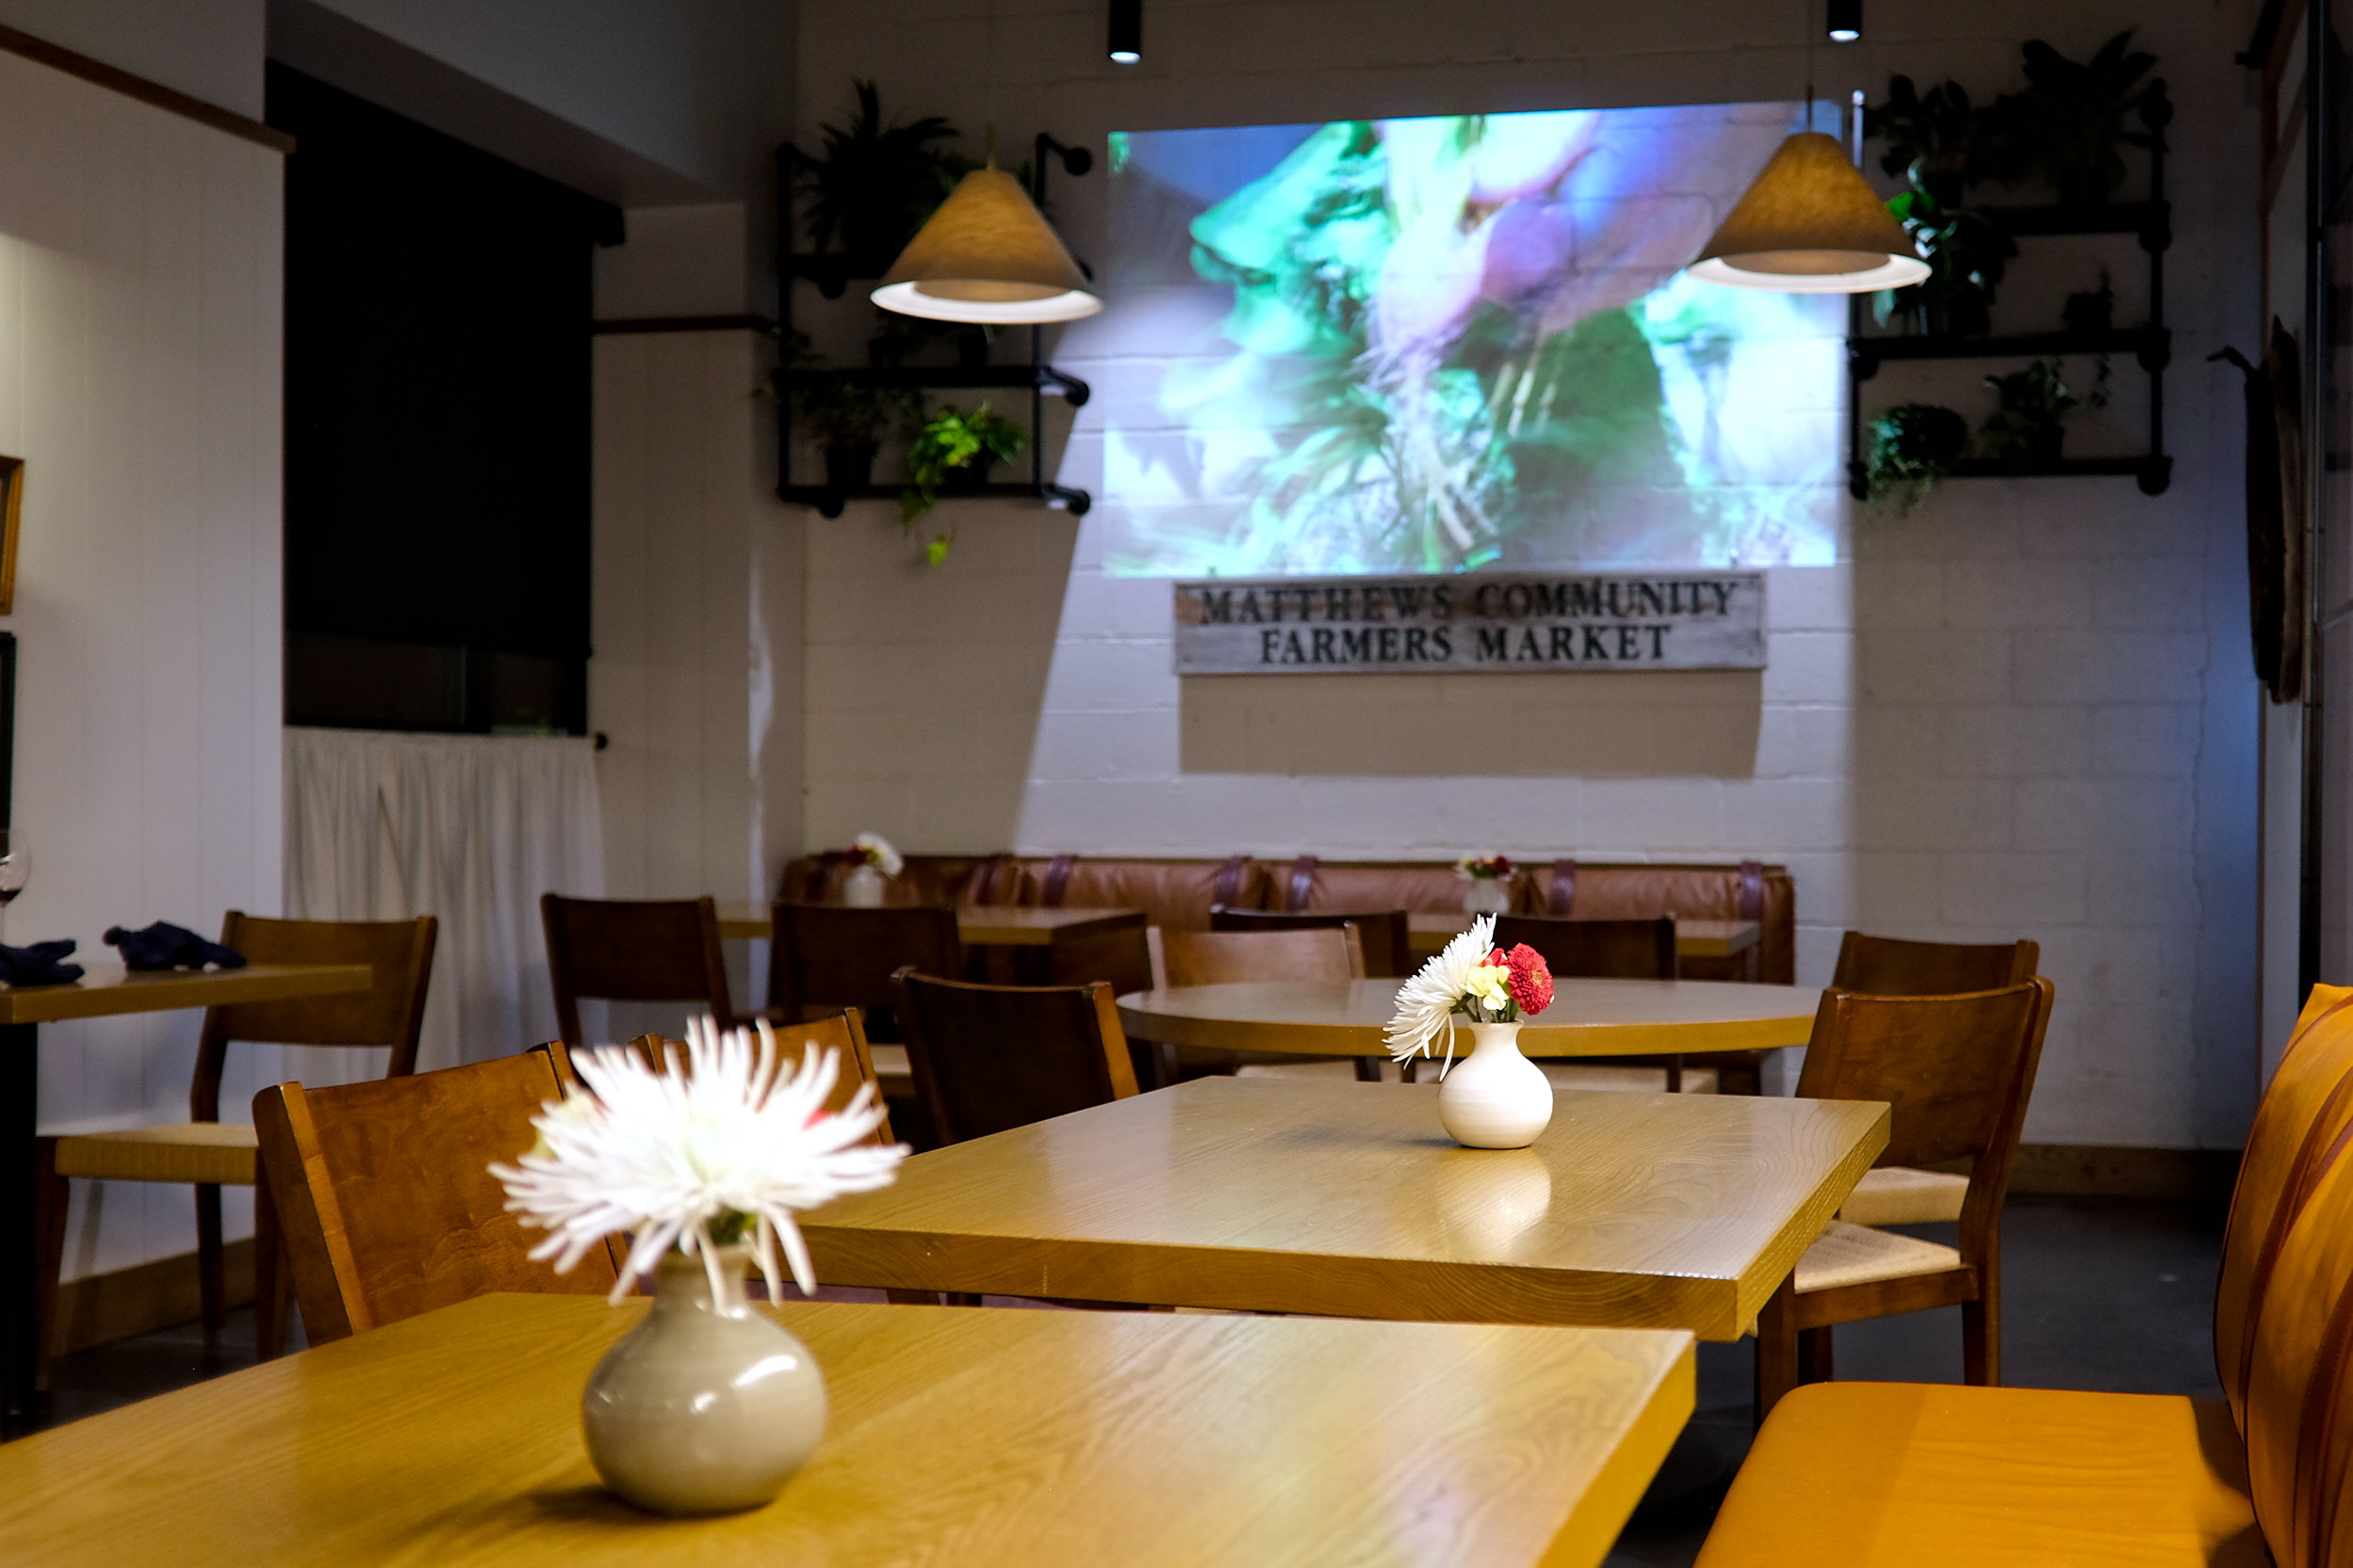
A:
(273, 1282)
(1674, 1074)
(1776, 1349)
(1814, 1355)
(1368, 1069)
(211, 1286)
(49, 1217)
(1981, 1338)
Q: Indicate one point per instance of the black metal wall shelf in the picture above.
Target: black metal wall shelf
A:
(832, 274)
(2150, 344)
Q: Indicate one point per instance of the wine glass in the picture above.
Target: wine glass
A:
(16, 869)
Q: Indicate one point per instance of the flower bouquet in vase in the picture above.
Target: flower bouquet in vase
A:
(1495, 1098)
(1487, 880)
(871, 860)
(706, 1406)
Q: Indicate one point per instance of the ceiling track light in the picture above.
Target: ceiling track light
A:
(1126, 40)
(1843, 21)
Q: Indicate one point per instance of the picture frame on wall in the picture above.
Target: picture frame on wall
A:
(11, 502)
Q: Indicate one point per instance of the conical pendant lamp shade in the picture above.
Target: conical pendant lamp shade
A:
(987, 255)
(1810, 224)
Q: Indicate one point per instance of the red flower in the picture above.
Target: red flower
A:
(1531, 979)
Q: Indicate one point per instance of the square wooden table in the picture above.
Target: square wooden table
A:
(970, 1436)
(1631, 1210)
(104, 992)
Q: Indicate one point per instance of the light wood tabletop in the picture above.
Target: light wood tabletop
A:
(1296, 1196)
(1005, 926)
(1588, 1017)
(106, 990)
(964, 1436)
(1431, 930)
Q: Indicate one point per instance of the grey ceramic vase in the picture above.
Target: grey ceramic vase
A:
(707, 1406)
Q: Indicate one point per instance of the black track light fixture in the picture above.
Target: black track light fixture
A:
(1127, 31)
(1843, 21)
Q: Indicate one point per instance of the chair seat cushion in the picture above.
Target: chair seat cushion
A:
(221, 1152)
(1856, 1255)
(1899, 1195)
(892, 1074)
(1889, 1475)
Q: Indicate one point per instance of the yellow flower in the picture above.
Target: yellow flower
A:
(1489, 985)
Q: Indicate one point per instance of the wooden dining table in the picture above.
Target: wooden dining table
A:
(1588, 1017)
(1318, 1195)
(981, 1438)
(106, 991)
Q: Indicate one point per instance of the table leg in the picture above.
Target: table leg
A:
(19, 1200)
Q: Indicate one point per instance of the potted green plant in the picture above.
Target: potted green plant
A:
(1914, 446)
(1934, 142)
(2069, 125)
(954, 451)
(2029, 427)
(872, 183)
(849, 419)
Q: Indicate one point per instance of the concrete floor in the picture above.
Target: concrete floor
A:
(2098, 1293)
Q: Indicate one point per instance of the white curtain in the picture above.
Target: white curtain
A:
(472, 829)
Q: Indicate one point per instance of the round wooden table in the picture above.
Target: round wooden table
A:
(1588, 1017)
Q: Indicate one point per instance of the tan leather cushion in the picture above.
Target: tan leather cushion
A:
(1370, 884)
(1884, 1474)
(1901, 1195)
(1176, 894)
(1610, 892)
(220, 1153)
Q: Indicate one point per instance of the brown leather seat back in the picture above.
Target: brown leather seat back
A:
(386, 1198)
(824, 957)
(1595, 949)
(1385, 935)
(1230, 957)
(1891, 967)
(633, 949)
(1175, 895)
(1421, 889)
(1749, 891)
(987, 1057)
(2308, 1104)
(1956, 1069)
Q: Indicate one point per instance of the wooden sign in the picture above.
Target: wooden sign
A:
(1506, 622)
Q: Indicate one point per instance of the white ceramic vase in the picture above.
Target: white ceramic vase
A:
(708, 1406)
(1494, 1098)
(1487, 895)
(863, 887)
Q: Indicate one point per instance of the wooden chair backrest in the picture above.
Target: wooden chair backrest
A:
(826, 955)
(844, 1032)
(2300, 1388)
(1228, 957)
(986, 1058)
(1958, 1071)
(1386, 934)
(385, 1196)
(1596, 950)
(391, 1013)
(1891, 967)
(633, 949)
(2307, 1106)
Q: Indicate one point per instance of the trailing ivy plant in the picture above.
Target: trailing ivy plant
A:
(1913, 446)
(953, 440)
(2030, 426)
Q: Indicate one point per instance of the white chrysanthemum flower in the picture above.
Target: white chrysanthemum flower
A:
(879, 853)
(1426, 1002)
(723, 1135)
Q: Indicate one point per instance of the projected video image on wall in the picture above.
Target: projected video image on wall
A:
(1436, 344)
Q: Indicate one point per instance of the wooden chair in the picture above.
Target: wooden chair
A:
(1958, 1071)
(210, 1154)
(1234, 958)
(845, 1032)
(825, 956)
(1891, 967)
(633, 949)
(386, 1197)
(991, 1056)
(1606, 950)
(1386, 936)
(1892, 1475)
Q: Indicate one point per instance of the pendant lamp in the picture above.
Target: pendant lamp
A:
(987, 255)
(1810, 224)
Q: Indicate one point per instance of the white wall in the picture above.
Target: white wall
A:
(2025, 711)
(140, 348)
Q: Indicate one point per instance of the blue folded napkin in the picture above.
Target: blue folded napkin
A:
(39, 965)
(165, 946)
